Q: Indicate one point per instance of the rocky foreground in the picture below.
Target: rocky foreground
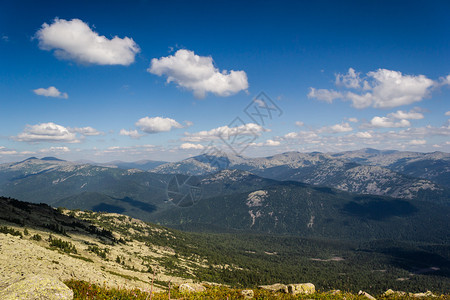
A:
(47, 287)
(61, 254)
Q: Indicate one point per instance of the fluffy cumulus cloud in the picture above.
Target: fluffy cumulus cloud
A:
(272, 143)
(131, 133)
(50, 92)
(344, 127)
(445, 80)
(396, 119)
(381, 89)
(363, 135)
(324, 95)
(75, 40)
(225, 132)
(411, 115)
(47, 132)
(447, 113)
(157, 124)
(198, 74)
(87, 131)
(349, 80)
(386, 122)
(189, 146)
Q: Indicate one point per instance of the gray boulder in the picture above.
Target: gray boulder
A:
(276, 287)
(301, 288)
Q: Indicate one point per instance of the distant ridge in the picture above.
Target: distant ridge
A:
(50, 158)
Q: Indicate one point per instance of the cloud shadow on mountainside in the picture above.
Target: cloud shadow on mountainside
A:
(379, 209)
(147, 207)
(105, 207)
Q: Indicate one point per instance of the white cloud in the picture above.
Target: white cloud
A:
(349, 80)
(324, 95)
(198, 74)
(302, 135)
(131, 133)
(385, 122)
(46, 132)
(272, 143)
(50, 92)
(411, 115)
(445, 80)
(313, 140)
(87, 131)
(363, 135)
(417, 142)
(130, 150)
(249, 129)
(187, 146)
(353, 120)
(157, 124)
(337, 128)
(380, 89)
(360, 100)
(55, 149)
(344, 127)
(75, 40)
(299, 123)
(447, 113)
(392, 88)
(6, 151)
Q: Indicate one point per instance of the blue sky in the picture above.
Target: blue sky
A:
(166, 80)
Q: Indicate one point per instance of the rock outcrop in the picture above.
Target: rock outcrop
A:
(276, 287)
(427, 294)
(301, 288)
(390, 292)
(34, 287)
(367, 295)
(248, 294)
(192, 288)
(293, 288)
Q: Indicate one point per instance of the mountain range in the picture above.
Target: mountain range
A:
(398, 174)
(351, 195)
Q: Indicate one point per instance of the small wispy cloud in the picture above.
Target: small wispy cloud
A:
(50, 92)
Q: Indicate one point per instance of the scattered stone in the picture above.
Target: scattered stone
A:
(421, 295)
(248, 294)
(34, 287)
(301, 288)
(390, 292)
(276, 287)
(192, 288)
(367, 295)
(334, 292)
